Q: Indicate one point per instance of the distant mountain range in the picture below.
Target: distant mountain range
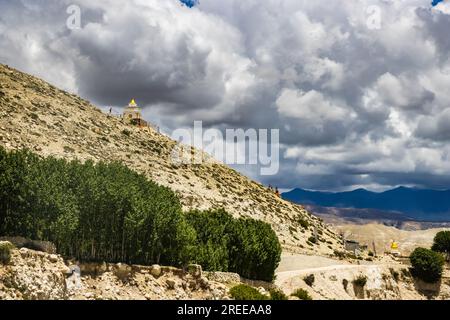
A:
(406, 203)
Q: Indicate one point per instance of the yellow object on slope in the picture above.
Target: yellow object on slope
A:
(394, 245)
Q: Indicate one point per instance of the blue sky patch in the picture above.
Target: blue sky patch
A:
(436, 2)
(191, 3)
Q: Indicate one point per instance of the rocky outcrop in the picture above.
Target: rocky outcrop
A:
(5, 251)
(123, 282)
(34, 275)
(356, 282)
(20, 242)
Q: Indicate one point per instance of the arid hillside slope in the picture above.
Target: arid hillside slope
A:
(382, 236)
(49, 121)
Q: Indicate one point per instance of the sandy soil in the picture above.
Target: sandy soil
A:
(383, 236)
(292, 262)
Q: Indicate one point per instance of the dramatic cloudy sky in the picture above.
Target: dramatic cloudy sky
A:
(358, 102)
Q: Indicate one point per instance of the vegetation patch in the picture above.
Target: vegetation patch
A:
(441, 243)
(360, 281)
(339, 254)
(427, 265)
(34, 116)
(244, 292)
(107, 212)
(277, 294)
(309, 280)
(303, 223)
(103, 212)
(245, 246)
(126, 132)
(312, 239)
(302, 294)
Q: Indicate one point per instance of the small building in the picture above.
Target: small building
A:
(352, 245)
(132, 115)
(395, 249)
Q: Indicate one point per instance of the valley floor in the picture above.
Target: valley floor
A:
(386, 279)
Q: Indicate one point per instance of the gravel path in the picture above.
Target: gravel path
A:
(292, 262)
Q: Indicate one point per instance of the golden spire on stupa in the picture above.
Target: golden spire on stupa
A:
(394, 245)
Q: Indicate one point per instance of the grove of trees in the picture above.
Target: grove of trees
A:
(245, 246)
(107, 212)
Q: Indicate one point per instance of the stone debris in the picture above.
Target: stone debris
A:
(156, 270)
(33, 275)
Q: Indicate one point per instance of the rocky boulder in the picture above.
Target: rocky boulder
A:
(195, 270)
(156, 270)
(20, 242)
(33, 275)
(122, 270)
(5, 251)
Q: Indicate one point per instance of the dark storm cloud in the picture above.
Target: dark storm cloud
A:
(355, 106)
(418, 179)
(435, 128)
(436, 27)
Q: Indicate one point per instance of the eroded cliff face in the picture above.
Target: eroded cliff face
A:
(373, 282)
(33, 275)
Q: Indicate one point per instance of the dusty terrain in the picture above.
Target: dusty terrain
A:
(386, 279)
(378, 227)
(384, 235)
(33, 275)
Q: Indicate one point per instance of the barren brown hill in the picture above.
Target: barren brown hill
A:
(37, 116)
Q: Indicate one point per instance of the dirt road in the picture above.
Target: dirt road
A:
(298, 266)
